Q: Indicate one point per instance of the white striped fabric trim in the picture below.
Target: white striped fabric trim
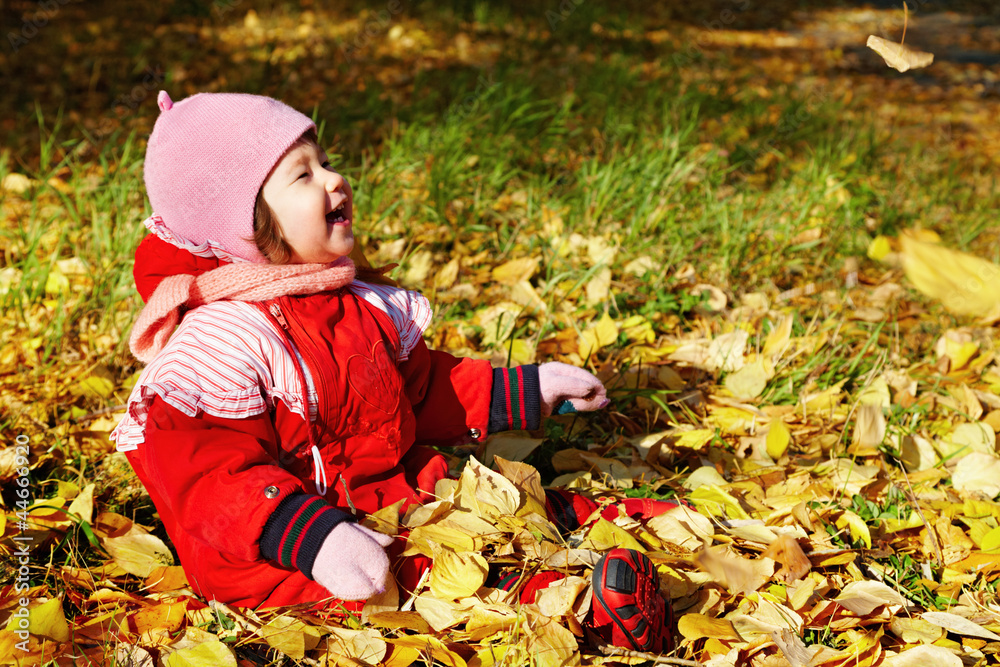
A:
(228, 360)
(155, 224)
(409, 311)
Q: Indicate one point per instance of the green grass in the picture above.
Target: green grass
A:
(688, 164)
(678, 169)
(639, 175)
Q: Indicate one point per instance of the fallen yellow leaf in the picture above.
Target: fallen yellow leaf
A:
(604, 536)
(737, 574)
(698, 626)
(552, 644)
(138, 552)
(717, 502)
(516, 270)
(749, 382)
(599, 287)
(879, 248)
(863, 597)
(597, 335)
(924, 655)
(430, 646)
(355, 646)
(991, 541)
(682, 527)
(794, 564)
(485, 493)
(208, 654)
(777, 439)
(915, 630)
(962, 283)
(457, 575)
(46, 620)
(290, 636)
(858, 527)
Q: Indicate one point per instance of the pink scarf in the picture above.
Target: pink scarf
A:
(234, 282)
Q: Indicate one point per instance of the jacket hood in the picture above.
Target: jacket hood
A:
(155, 259)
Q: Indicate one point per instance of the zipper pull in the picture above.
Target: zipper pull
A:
(278, 316)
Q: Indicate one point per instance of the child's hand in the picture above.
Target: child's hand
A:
(352, 563)
(562, 382)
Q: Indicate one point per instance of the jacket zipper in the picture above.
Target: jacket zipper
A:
(320, 383)
(276, 311)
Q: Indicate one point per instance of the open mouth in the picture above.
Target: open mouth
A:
(338, 214)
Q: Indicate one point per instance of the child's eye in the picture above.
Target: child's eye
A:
(304, 174)
(327, 165)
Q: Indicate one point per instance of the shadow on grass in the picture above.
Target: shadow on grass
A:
(101, 63)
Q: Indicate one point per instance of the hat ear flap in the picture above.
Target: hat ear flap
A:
(164, 102)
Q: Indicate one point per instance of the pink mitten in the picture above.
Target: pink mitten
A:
(352, 563)
(561, 382)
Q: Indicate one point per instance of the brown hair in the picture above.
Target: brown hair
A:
(266, 232)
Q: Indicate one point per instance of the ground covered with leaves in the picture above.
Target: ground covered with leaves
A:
(779, 255)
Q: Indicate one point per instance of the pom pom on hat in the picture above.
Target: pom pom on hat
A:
(207, 158)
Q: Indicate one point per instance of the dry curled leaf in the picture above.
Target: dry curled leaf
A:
(899, 56)
(959, 625)
(924, 656)
(794, 563)
(738, 575)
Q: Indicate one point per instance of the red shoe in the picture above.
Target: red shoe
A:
(628, 608)
(568, 510)
(647, 508)
(535, 583)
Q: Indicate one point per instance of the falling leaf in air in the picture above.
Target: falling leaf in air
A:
(899, 56)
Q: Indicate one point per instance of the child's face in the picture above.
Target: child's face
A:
(313, 205)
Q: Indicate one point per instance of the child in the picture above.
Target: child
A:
(293, 397)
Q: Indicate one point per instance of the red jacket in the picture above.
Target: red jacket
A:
(237, 496)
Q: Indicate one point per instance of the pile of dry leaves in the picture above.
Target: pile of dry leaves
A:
(852, 524)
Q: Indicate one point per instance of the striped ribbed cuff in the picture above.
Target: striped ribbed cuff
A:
(295, 531)
(516, 402)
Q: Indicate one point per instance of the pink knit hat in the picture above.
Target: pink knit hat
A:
(206, 160)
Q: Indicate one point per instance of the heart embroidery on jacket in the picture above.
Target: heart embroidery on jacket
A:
(375, 379)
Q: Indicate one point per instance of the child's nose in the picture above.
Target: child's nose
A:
(335, 182)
